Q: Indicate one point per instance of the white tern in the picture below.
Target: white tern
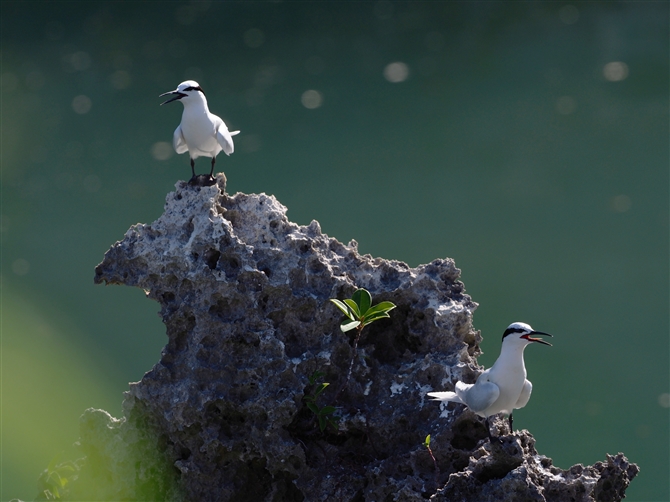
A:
(200, 132)
(503, 387)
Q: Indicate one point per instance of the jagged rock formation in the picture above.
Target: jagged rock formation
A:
(222, 416)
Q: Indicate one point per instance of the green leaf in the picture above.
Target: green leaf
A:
(426, 443)
(374, 317)
(327, 410)
(381, 307)
(346, 310)
(363, 300)
(315, 376)
(322, 423)
(349, 325)
(320, 389)
(354, 308)
(313, 407)
(53, 462)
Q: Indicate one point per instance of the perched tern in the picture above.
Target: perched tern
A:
(200, 132)
(503, 387)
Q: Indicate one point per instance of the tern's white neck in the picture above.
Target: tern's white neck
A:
(511, 354)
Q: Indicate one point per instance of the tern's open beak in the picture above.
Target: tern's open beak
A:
(538, 340)
(178, 95)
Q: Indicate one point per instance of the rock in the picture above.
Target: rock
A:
(244, 297)
(512, 471)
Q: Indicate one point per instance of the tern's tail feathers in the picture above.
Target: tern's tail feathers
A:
(234, 133)
(445, 396)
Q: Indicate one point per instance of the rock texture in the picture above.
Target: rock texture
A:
(222, 416)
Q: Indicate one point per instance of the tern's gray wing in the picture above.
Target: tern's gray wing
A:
(479, 396)
(178, 141)
(525, 395)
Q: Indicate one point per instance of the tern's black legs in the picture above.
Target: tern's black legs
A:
(202, 180)
(510, 424)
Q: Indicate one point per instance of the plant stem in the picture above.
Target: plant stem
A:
(359, 330)
(437, 469)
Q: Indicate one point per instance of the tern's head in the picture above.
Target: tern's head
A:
(522, 334)
(186, 92)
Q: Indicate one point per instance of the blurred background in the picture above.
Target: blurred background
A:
(526, 140)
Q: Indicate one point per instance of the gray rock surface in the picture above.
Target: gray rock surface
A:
(244, 296)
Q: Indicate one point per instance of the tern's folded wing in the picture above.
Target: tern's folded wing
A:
(178, 141)
(525, 395)
(479, 396)
(225, 139)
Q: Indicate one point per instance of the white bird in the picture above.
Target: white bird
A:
(200, 132)
(504, 387)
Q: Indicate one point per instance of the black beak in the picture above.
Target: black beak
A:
(538, 340)
(178, 95)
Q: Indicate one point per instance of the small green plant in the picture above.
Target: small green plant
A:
(426, 443)
(360, 312)
(325, 414)
(56, 479)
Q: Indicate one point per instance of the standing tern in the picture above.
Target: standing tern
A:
(503, 387)
(200, 132)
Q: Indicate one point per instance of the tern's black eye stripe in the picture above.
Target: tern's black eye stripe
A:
(509, 331)
(195, 89)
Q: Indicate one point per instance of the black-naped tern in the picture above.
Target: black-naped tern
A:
(200, 133)
(503, 387)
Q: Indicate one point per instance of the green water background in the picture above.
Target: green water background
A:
(526, 140)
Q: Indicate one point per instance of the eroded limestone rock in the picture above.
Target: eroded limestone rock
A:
(244, 296)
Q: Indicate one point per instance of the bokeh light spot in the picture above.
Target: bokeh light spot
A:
(78, 61)
(254, 38)
(250, 143)
(136, 190)
(396, 72)
(92, 183)
(185, 15)
(161, 150)
(81, 104)
(593, 409)
(615, 71)
(620, 203)
(384, 9)
(664, 400)
(566, 105)
(20, 266)
(311, 99)
(120, 79)
(642, 431)
(9, 82)
(569, 14)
